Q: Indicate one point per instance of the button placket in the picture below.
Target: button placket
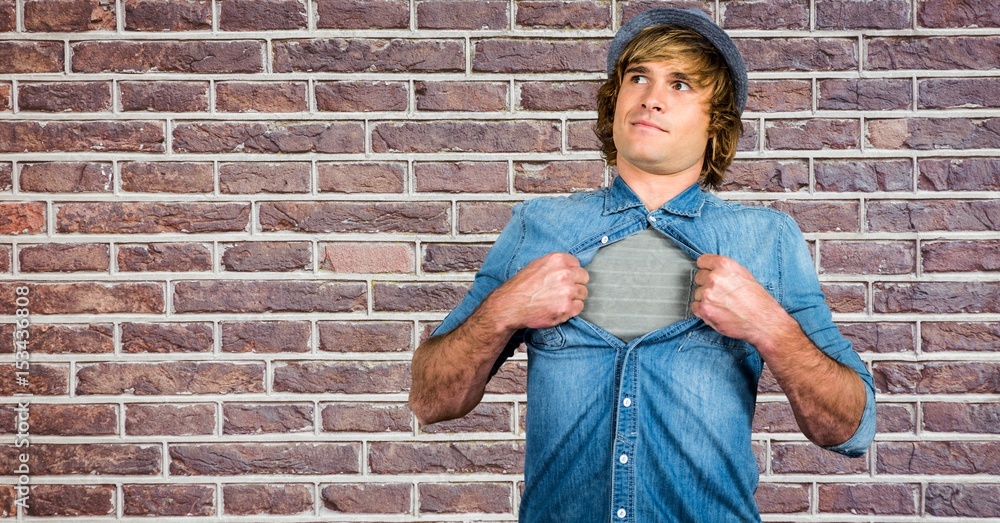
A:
(623, 470)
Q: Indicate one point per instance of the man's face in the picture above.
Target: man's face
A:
(661, 119)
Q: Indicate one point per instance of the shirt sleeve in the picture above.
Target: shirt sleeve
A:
(494, 272)
(804, 300)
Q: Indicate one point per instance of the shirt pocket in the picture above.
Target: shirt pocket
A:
(547, 338)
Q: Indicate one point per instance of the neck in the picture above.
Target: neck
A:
(654, 190)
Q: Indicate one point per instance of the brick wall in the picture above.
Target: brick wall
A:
(235, 219)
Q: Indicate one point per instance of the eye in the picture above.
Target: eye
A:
(638, 79)
(681, 86)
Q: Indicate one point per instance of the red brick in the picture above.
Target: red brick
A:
(173, 257)
(937, 297)
(262, 15)
(144, 419)
(806, 458)
(483, 217)
(958, 93)
(164, 96)
(169, 500)
(461, 177)
(896, 418)
(881, 337)
(846, 297)
(423, 297)
(257, 137)
(257, 419)
(953, 256)
(767, 175)
(7, 500)
(779, 95)
(630, 8)
(44, 380)
(178, 377)
(959, 174)
(366, 417)
(933, 52)
(66, 177)
(363, 14)
(64, 257)
(341, 377)
(466, 136)
(361, 177)
(462, 14)
(214, 57)
(8, 23)
(168, 15)
(368, 498)
(820, 216)
(750, 138)
(369, 55)
(864, 175)
(512, 378)
(757, 14)
(166, 337)
(366, 258)
(849, 257)
(265, 336)
(365, 336)
(267, 256)
(71, 500)
(558, 96)
(5, 259)
(417, 217)
(799, 54)
(813, 134)
(65, 420)
(22, 217)
(251, 499)
(956, 13)
(46, 338)
(877, 14)
(173, 177)
(563, 14)
(486, 417)
(774, 418)
(454, 498)
(453, 257)
(6, 177)
(268, 296)
(960, 336)
(935, 133)
(580, 136)
(260, 97)
(866, 94)
(932, 215)
(782, 498)
(446, 457)
(89, 459)
(69, 15)
(561, 176)
(461, 96)
(87, 297)
(938, 457)
(868, 498)
(32, 57)
(539, 56)
(64, 96)
(962, 499)
(937, 377)
(976, 418)
(361, 96)
(35, 136)
(225, 459)
(151, 217)
(256, 177)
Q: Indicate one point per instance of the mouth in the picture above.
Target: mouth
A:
(647, 124)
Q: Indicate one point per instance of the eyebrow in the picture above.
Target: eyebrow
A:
(674, 75)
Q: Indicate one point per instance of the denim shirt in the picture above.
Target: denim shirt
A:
(657, 429)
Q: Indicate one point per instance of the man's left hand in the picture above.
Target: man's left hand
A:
(731, 301)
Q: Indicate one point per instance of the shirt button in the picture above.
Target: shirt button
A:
(604, 239)
(652, 218)
(621, 513)
(623, 459)
(627, 402)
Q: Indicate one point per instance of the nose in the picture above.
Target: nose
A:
(653, 100)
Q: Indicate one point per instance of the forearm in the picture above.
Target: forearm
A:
(827, 397)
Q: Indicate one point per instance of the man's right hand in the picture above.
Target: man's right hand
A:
(547, 292)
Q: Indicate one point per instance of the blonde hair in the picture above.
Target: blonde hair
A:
(667, 42)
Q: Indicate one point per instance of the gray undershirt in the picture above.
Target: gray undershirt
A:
(638, 285)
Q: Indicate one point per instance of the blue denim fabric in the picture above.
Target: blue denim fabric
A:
(658, 429)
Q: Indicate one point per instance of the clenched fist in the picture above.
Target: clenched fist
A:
(547, 292)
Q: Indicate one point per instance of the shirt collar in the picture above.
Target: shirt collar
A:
(620, 197)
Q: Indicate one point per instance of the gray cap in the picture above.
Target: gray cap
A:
(697, 21)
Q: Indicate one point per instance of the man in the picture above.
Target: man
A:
(649, 308)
